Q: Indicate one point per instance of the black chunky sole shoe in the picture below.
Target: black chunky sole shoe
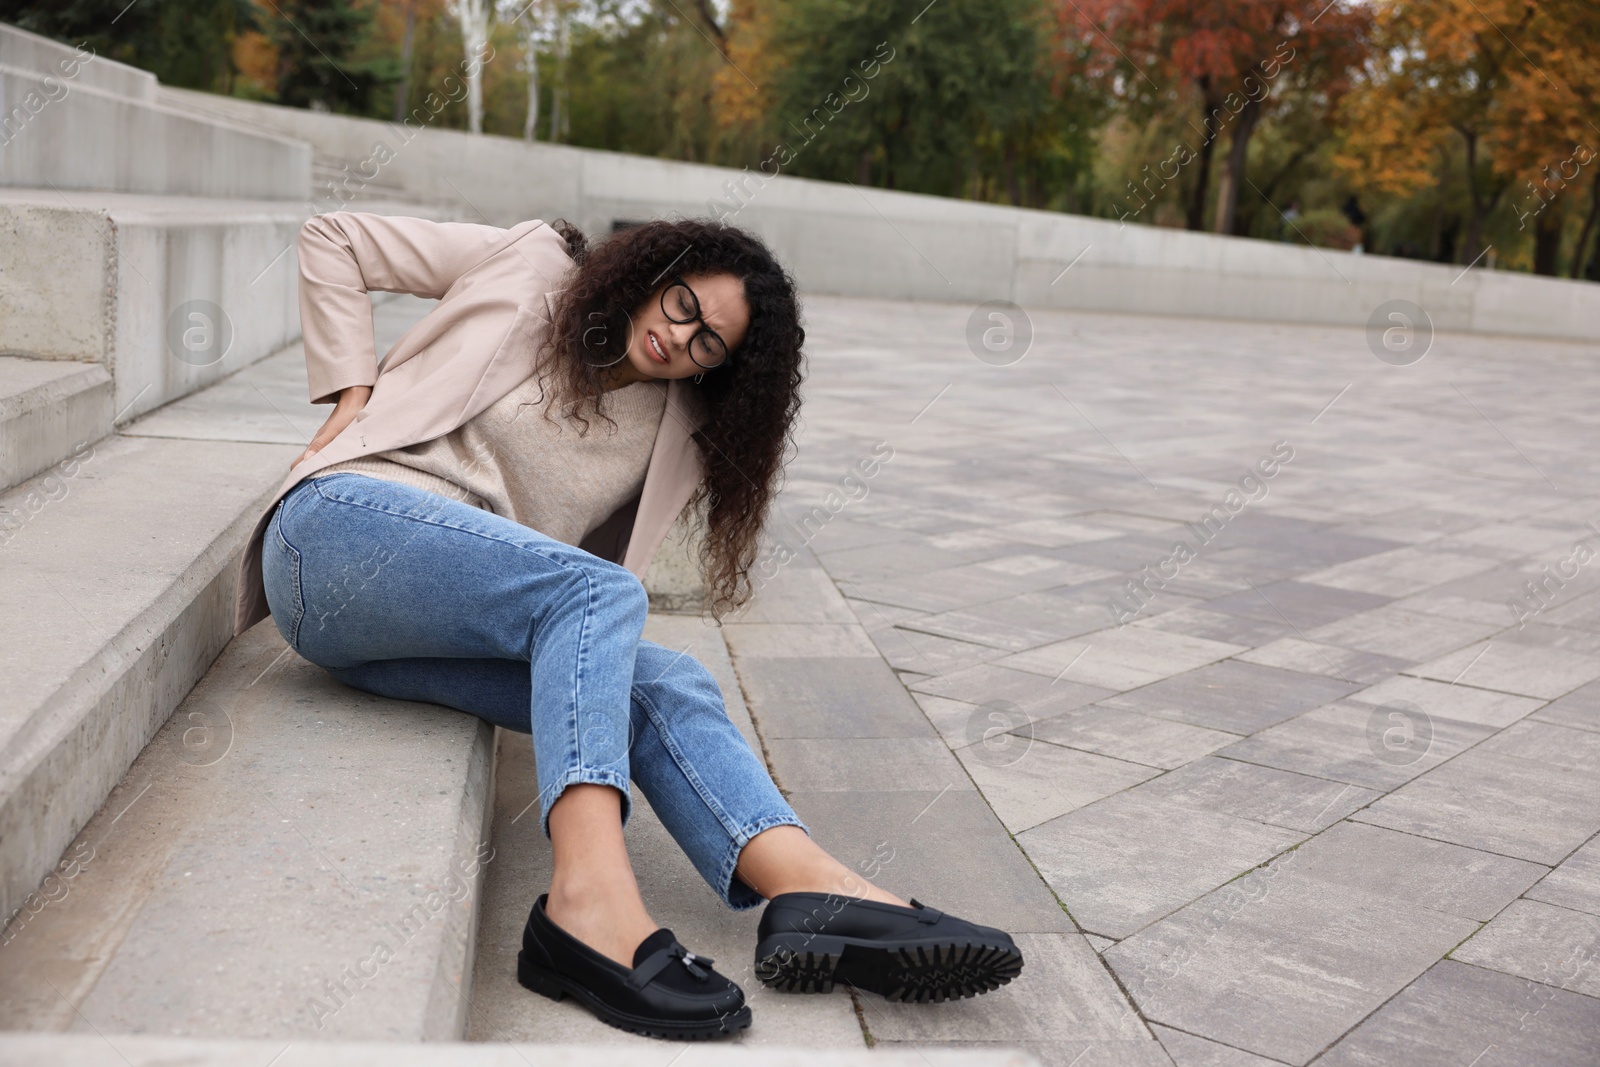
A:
(670, 992)
(809, 942)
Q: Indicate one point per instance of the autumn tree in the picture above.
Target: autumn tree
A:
(1220, 61)
(1437, 79)
(1547, 141)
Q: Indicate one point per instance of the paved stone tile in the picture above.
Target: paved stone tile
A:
(1304, 603)
(1281, 965)
(1309, 657)
(1513, 668)
(1547, 944)
(1581, 612)
(1344, 742)
(1241, 698)
(1412, 635)
(865, 764)
(1566, 638)
(1399, 571)
(783, 640)
(1459, 702)
(799, 592)
(825, 696)
(1216, 626)
(1123, 862)
(1016, 623)
(907, 556)
(1576, 883)
(1579, 708)
(1029, 782)
(1077, 529)
(1455, 1015)
(1187, 1050)
(1431, 874)
(1123, 658)
(1131, 735)
(1260, 794)
(1042, 571)
(843, 533)
(1529, 792)
(1451, 606)
(1098, 943)
(923, 653)
(1064, 997)
(953, 588)
(1034, 694)
(947, 849)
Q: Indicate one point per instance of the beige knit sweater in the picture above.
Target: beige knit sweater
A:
(511, 460)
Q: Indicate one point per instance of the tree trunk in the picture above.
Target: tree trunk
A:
(1013, 190)
(558, 103)
(1233, 172)
(402, 92)
(474, 17)
(1579, 254)
(1196, 215)
(1547, 238)
(1475, 206)
(530, 62)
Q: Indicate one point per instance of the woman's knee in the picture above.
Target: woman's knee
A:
(672, 679)
(618, 588)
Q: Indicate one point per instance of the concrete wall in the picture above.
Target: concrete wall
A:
(29, 51)
(837, 239)
(66, 133)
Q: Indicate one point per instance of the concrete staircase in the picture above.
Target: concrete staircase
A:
(205, 841)
(160, 873)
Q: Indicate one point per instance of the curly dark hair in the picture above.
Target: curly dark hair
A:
(749, 403)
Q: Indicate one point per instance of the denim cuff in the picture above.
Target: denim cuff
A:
(583, 776)
(733, 892)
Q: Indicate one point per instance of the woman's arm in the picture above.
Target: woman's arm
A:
(344, 255)
(351, 400)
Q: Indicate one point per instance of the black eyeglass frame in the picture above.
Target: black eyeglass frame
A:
(694, 301)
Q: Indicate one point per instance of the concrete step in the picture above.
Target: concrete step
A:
(289, 858)
(122, 1050)
(49, 409)
(116, 592)
(41, 55)
(170, 293)
(66, 132)
(345, 168)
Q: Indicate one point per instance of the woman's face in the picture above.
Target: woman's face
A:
(659, 347)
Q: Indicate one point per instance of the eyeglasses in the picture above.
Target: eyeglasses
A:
(680, 305)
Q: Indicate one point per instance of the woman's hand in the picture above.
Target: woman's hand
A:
(351, 400)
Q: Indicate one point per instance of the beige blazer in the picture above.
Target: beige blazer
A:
(495, 289)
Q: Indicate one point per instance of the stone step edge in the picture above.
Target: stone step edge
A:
(143, 672)
(140, 1050)
(43, 423)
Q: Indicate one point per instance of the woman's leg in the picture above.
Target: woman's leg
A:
(710, 790)
(715, 796)
(360, 569)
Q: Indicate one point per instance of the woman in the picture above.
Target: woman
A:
(470, 527)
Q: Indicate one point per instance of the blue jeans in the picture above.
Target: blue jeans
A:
(404, 593)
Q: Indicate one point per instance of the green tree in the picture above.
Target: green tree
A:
(188, 44)
(936, 94)
(321, 47)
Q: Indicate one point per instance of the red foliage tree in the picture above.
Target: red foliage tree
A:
(1225, 58)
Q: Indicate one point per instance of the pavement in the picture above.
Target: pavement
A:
(1247, 674)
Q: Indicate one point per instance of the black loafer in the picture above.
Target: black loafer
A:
(670, 992)
(809, 941)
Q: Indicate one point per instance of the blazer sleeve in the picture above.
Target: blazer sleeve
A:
(344, 255)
